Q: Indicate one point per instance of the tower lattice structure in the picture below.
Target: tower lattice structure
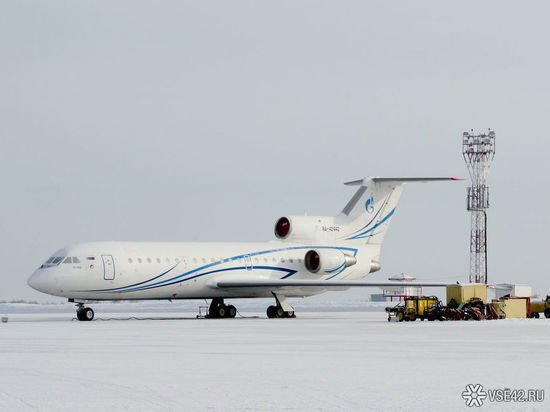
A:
(478, 151)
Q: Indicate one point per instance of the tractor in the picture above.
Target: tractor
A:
(540, 307)
(416, 307)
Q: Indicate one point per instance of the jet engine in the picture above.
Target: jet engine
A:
(327, 260)
(306, 228)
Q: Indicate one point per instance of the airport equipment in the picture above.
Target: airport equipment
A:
(513, 289)
(491, 312)
(478, 151)
(457, 294)
(512, 308)
(414, 307)
(538, 307)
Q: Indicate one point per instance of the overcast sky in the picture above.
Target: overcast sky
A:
(206, 121)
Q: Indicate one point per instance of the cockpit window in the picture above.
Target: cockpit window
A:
(53, 261)
(56, 260)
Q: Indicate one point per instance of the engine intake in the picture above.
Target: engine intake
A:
(282, 228)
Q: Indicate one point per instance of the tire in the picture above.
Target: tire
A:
(547, 313)
(399, 316)
(271, 312)
(231, 311)
(85, 314)
(289, 314)
(221, 311)
(89, 314)
(279, 311)
(537, 315)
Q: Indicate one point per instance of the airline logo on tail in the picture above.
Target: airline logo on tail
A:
(369, 205)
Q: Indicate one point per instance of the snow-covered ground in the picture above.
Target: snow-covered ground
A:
(332, 360)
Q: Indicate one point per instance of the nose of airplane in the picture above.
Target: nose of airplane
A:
(39, 281)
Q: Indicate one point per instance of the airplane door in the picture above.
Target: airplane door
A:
(108, 267)
(247, 262)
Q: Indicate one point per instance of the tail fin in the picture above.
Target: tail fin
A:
(367, 215)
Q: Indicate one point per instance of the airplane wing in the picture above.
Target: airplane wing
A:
(325, 284)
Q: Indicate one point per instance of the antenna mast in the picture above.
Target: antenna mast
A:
(478, 151)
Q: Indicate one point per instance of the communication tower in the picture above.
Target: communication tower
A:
(478, 151)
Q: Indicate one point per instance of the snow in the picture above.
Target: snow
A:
(332, 360)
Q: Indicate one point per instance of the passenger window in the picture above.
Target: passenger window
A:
(290, 260)
(265, 259)
(195, 260)
(76, 260)
(212, 260)
(130, 260)
(68, 260)
(158, 260)
(148, 260)
(203, 260)
(177, 260)
(167, 260)
(139, 260)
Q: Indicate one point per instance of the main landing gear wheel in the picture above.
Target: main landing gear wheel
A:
(85, 314)
(218, 309)
(231, 311)
(278, 312)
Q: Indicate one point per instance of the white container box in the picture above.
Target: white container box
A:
(513, 289)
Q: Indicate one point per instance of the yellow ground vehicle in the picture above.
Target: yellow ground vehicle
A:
(540, 307)
(422, 307)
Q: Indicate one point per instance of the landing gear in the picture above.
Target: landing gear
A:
(278, 312)
(85, 314)
(218, 309)
(282, 309)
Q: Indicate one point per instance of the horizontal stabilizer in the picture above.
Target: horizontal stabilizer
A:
(401, 180)
(326, 284)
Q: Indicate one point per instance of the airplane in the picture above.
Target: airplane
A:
(309, 255)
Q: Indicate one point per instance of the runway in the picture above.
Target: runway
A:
(318, 361)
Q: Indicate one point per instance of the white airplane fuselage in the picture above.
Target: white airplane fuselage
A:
(312, 254)
(158, 270)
